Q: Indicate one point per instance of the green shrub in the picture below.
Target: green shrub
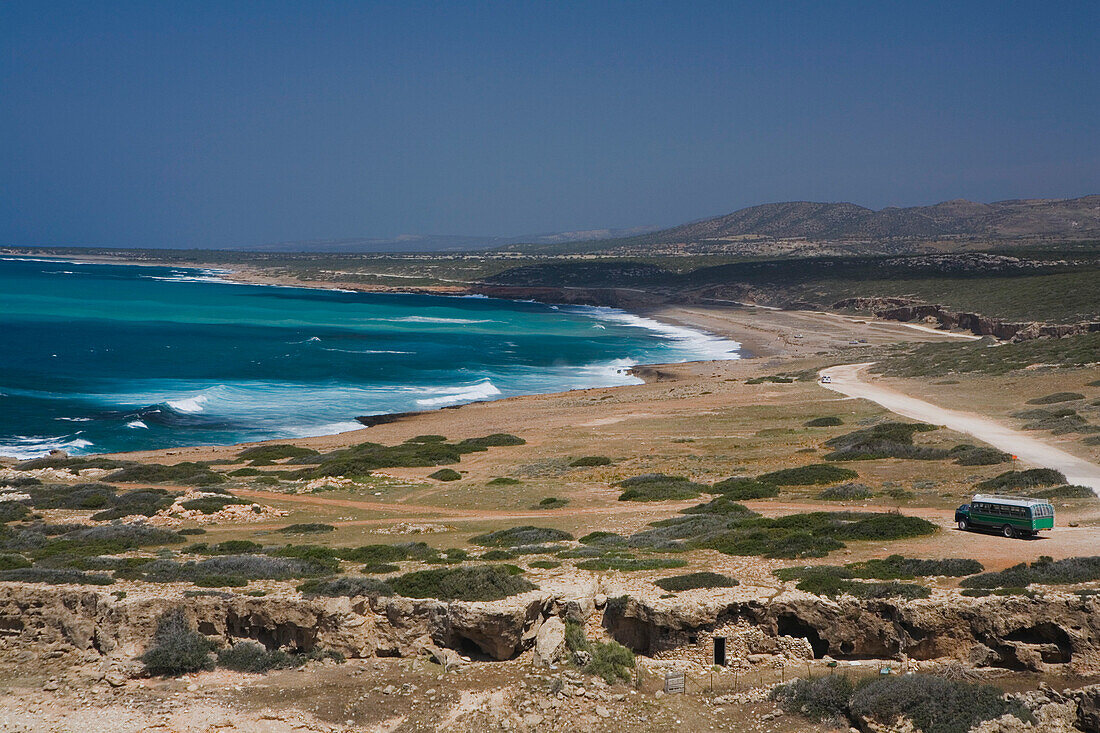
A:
(846, 492)
(775, 379)
(552, 502)
(817, 473)
(496, 440)
(611, 661)
(1059, 421)
(659, 487)
(476, 583)
(1028, 479)
(427, 439)
(969, 455)
(196, 474)
(824, 698)
(347, 585)
(12, 511)
(830, 581)
(81, 540)
(1044, 571)
(71, 464)
(723, 506)
(517, 536)
(191, 531)
(374, 553)
(1056, 397)
(250, 567)
(503, 481)
(229, 547)
(362, 459)
(824, 422)
(176, 647)
(307, 528)
(934, 704)
(213, 504)
(740, 489)
(54, 576)
(263, 455)
(495, 555)
(591, 461)
(1068, 491)
(896, 567)
(544, 564)
(629, 563)
(245, 472)
(445, 474)
(601, 538)
(11, 561)
(691, 581)
(249, 656)
(885, 440)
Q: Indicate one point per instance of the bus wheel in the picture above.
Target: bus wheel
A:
(964, 525)
(1008, 531)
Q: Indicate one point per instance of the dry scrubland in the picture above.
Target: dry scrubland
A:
(593, 471)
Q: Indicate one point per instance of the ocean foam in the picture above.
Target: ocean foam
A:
(26, 447)
(698, 344)
(433, 319)
(189, 405)
(478, 391)
(137, 424)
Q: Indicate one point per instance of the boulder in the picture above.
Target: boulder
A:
(550, 642)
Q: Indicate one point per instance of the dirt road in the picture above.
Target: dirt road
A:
(847, 380)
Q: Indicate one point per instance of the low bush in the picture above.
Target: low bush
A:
(451, 556)
(213, 504)
(111, 539)
(1059, 421)
(1056, 397)
(191, 531)
(264, 455)
(846, 492)
(503, 481)
(195, 474)
(54, 576)
(602, 538)
(934, 704)
(610, 661)
(11, 561)
(445, 474)
(347, 585)
(220, 581)
(517, 536)
(252, 657)
(1044, 571)
(659, 487)
(495, 555)
(591, 461)
(885, 440)
(813, 474)
(427, 439)
(969, 455)
(375, 553)
(496, 440)
(360, 460)
(176, 647)
(740, 489)
(897, 567)
(1069, 491)
(544, 564)
(1028, 479)
(476, 583)
(71, 464)
(307, 528)
(773, 379)
(249, 567)
(246, 472)
(552, 502)
(629, 563)
(825, 698)
(692, 581)
(12, 511)
(228, 547)
(824, 422)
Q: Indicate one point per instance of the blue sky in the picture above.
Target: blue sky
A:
(195, 124)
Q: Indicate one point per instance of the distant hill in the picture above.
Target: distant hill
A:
(838, 222)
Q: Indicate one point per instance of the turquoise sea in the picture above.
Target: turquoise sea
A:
(99, 358)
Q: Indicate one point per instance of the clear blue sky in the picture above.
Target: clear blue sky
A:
(214, 124)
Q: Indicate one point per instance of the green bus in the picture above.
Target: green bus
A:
(1012, 516)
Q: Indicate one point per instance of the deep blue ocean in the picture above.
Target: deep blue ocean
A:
(99, 358)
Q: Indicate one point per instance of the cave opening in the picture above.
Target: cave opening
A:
(791, 625)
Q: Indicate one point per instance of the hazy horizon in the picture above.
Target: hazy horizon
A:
(236, 126)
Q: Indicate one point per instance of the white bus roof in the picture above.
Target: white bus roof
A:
(1009, 500)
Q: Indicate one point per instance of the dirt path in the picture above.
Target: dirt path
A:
(846, 380)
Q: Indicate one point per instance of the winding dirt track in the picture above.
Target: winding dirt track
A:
(846, 380)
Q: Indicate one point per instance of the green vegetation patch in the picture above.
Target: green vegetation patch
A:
(885, 440)
(610, 661)
(1058, 420)
(360, 460)
(1055, 398)
(254, 658)
(590, 461)
(693, 581)
(214, 504)
(71, 464)
(828, 421)
(971, 455)
(347, 585)
(476, 583)
(1069, 491)
(445, 474)
(894, 567)
(265, 455)
(545, 564)
(177, 648)
(307, 528)
(629, 563)
(42, 541)
(517, 536)
(770, 379)
(54, 576)
(816, 473)
(1044, 571)
(552, 502)
(740, 489)
(12, 561)
(988, 357)
(13, 511)
(246, 566)
(846, 492)
(1028, 479)
(190, 473)
(503, 481)
(659, 487)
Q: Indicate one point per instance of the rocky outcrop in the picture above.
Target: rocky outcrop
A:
(906, 310)
(1042, 634)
